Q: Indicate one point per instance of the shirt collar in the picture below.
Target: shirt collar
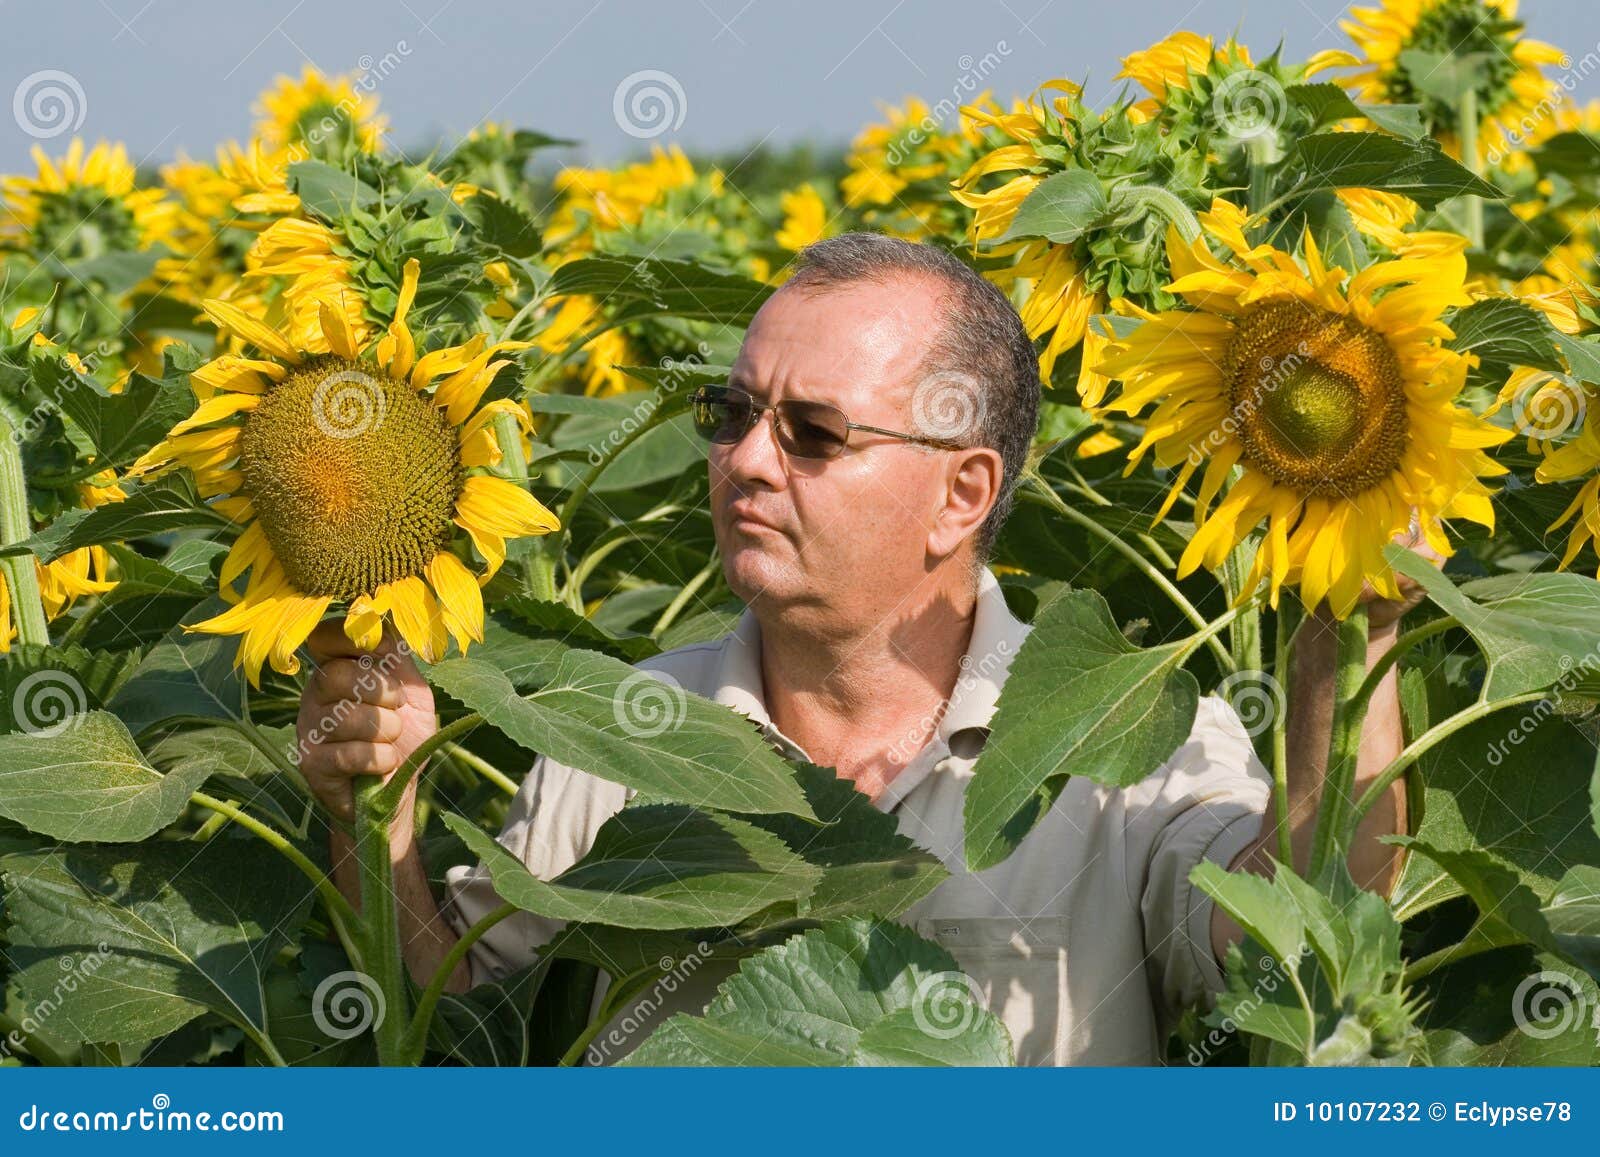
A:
(997, 635)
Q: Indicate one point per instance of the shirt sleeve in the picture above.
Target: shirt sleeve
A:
(1208, 804)
(551, 826)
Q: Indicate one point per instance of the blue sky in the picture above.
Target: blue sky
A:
(171, 75)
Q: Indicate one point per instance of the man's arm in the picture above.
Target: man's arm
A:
(364, 714)
(1309, 728)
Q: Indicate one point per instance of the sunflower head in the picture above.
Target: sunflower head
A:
(1402, 42)
(1325, 401)
(319, 114)
(351, 468)
(85, 204)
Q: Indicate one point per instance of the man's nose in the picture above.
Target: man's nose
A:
(757, 457)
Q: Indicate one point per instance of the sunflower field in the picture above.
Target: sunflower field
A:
(1286, 311)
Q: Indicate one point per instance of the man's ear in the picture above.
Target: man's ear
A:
(972, 487)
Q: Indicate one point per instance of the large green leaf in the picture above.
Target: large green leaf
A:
(661, 866)
(853, 992)
(1505, 332)
(868, 867)
(37, 682)
(1508, 910)
(645, 287)
(172, 929)
(171, 504)
(1418, 169)
(1080, 700)
(600, 715)
(186, 674)
(1061, 208)
(1479, 792)
(88, 781)
(123, 425)
(1327, 104)
(1512, 1006)
(1529, 626)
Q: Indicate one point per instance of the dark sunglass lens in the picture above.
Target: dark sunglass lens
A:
(811, 429)
(721, 415)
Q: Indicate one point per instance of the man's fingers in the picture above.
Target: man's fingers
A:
(328, 641)
(353, 757)
(356, 680)
(366, 724)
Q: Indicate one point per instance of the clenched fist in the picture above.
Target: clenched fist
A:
(362, 713)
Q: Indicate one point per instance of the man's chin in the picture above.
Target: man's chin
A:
(753, 573)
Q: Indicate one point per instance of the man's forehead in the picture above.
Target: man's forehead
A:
(839, 341)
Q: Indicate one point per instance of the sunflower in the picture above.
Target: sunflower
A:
(1549, 403)
(805, 218)
(83, 205)
(1512, 87)
(304, 254)
(1334, 396)
(1174, 62)
(349, 470)
(315, 110)
(1058, 298)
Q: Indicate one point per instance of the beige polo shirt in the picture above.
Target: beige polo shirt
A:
(1086, 942)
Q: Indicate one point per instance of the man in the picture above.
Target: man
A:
(875, 642)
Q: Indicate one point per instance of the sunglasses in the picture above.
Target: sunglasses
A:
(725, 414)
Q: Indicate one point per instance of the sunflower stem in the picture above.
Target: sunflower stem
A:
(1244, 636)
(1344, 743)
(18, 571)
(380, 926)
(1467, 130)
(1283, 645)
(1163, 202)
(1040, 492)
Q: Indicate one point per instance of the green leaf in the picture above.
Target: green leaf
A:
(173, 930)
(1061, 208)
(1511, 1007)
(328, 192)
(89, 782)
(662, 866)
(1327, 103)
(1529, 626)
(171, 504)
(868, 867)
(1573, 915)
(1446, 76)
(634, 289)
(853, 992)
(1080, 700)
(1506, 333)
(1571, 154)
(39, 685)
(598, 714)
(1508, 910)
(522, 633)
(502, 225)
(1418, 169)
(1478, 794)
(187, 674)
(123, 425)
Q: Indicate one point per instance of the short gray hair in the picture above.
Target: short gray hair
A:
(982, 339)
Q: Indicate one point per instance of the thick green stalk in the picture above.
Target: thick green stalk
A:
(1467, 122)
(379, 931)
(415, 1042)
(1244, 636)
(17, 571)
(1287, 621)
(1344, 744)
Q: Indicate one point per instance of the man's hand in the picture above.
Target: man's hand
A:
(1384, 615)
(362, 713)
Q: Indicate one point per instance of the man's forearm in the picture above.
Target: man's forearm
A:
(426, 937)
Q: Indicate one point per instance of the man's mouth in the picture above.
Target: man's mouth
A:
(742, 517)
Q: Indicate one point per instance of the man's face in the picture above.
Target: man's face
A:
(834, 535)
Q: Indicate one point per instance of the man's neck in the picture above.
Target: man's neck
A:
(866, 700)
